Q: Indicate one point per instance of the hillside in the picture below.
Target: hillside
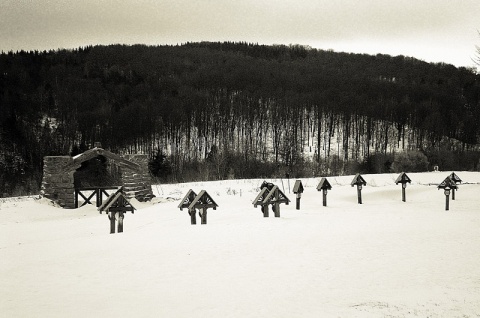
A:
(242, 106)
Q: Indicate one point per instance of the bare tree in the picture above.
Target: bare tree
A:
(476, 58)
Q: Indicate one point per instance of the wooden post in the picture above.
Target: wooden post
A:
(204, 216)
(453, 194)
(276, 209)
(76, 198)
(193, 216)
(447, 203)
(298, 190)
(99, 198)
(403, 179)
(120, 222)
(324, 185)
(111, 216)
(359, 192)
(265, 210)
(277, 205)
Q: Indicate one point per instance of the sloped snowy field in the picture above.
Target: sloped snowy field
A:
(384, 258)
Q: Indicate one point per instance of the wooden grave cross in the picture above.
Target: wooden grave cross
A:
(298, 190)
(116, 204)
(447, 185)
(456, 180)
(265, 189)
(202, 202)
(259, 201)
(185, 203)
(267, 185)
(403, 179)
(275, 197)
(324, 186)
(359, 182)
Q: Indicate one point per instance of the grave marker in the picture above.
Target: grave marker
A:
(274, 197)
(185, 203)
(324, 186)
(298, 190)
(359, 182)
(116, 204)
(447, 185)
(403, 179)
(202, 202)
(259, 201)
(456, 180)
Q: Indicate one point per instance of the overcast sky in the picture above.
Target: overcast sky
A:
(431, 30)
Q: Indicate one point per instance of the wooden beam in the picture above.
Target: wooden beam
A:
(95, 152)
(119, 159)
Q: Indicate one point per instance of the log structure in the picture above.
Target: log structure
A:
(57, 184)
(58, 176)
(137, 182)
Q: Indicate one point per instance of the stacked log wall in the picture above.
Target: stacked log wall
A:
(57, 184)
(137, 184)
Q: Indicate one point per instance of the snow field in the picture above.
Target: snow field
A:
(384, 258)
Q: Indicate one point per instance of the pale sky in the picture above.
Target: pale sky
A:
(430, 30)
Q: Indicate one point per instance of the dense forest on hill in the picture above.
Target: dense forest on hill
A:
(220, 110)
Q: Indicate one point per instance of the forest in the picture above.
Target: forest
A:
(219, 110)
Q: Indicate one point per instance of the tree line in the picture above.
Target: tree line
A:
(218, 110)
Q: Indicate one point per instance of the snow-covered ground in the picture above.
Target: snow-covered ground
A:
(384, 258)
